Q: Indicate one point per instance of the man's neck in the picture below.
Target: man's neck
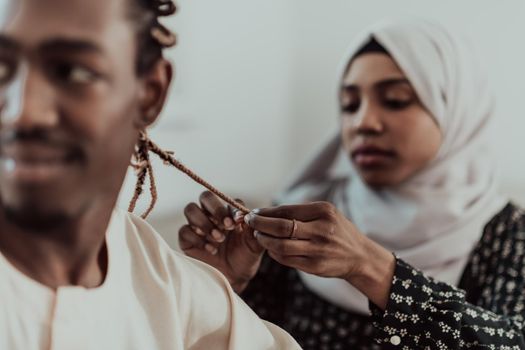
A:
(74, 254)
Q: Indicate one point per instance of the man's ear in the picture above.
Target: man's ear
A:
(153, 92)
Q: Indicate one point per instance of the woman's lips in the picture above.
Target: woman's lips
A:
(372, 156)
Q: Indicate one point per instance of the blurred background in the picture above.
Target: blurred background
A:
(255, 90)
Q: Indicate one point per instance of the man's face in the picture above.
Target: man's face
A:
(68, 105)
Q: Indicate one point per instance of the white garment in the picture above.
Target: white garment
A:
(434, 219)
(152, 299)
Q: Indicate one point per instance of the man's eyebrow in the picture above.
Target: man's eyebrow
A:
(72, 45)
(52, 45)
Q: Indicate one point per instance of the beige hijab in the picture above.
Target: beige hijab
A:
(433, 220)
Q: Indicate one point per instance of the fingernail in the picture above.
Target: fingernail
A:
(211, 249)
(249, 217)
(256, 211)
(198, 231)
(217, 235)
(255, 234)
(228, 223)
(238, 216)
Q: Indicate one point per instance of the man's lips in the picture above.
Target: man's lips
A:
(37, 153)
(36, 162)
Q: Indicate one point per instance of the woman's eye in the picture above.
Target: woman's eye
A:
(396, 104)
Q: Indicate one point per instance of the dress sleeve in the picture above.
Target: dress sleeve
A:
(426, 314)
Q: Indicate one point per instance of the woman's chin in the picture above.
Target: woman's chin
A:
(379, 180)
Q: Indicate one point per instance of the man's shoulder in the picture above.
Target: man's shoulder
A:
(150, 251)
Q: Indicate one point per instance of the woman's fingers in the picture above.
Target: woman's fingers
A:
(300, 255)
(305, 256)
(286, 247)
(236, 214)
(217, 210)
(197, 218)
(303, 212)
(191, 242)
(272, 226)
(282, 228)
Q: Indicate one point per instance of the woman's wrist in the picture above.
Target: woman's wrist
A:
(240, 280)
(375, 275)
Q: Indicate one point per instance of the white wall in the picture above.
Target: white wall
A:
(254, 92)
(323, 33)
(229, 109)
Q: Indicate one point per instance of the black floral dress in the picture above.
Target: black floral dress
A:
(486, 311)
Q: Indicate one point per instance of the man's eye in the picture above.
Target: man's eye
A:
(6, 71)
(81, 75)
(74, 74)
(351, 108)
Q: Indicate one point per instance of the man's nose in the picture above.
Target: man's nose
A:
(29, 101)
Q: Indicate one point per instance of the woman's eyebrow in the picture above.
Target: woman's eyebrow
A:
(386, 83)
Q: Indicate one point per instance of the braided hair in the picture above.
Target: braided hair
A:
(153, 38)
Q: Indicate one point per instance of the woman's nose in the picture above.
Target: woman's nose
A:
(368, 119)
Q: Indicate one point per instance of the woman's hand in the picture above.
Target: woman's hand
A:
(316, 238)
(217, 235)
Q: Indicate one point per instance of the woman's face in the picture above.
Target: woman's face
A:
(386, 132)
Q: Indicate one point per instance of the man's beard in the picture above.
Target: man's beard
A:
(30, 218)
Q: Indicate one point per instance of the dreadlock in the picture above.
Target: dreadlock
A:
(144, 169)
(153, 38)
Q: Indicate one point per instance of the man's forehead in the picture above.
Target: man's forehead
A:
(35, 18)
